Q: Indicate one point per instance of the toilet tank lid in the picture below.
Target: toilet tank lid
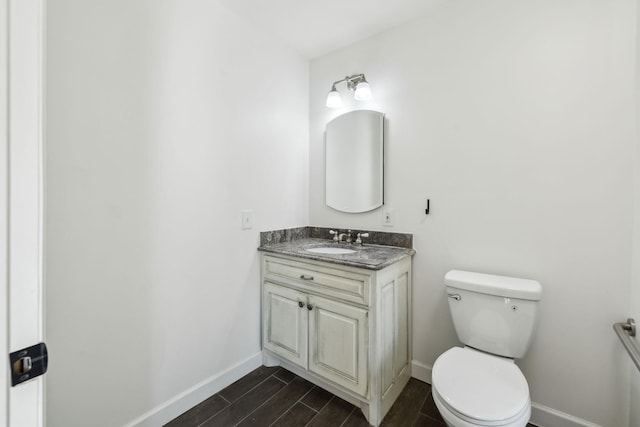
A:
(510, 287)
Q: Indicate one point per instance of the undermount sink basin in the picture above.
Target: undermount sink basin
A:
(330, 251)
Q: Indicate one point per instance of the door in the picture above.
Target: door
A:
(285, 323)
(338, 343)
(20, 202)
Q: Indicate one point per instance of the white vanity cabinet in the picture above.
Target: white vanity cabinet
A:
(343, 328)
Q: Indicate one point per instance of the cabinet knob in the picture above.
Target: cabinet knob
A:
(309, 307)
(300, 304)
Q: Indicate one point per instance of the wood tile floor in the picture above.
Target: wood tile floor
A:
(277, 397)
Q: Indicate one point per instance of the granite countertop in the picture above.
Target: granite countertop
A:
(369, 256)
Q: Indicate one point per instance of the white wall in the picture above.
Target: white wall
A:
(516, 118)
(165, 120)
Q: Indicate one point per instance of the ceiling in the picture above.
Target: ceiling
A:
(317, 27)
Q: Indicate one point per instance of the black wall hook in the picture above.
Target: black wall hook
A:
(426, 212)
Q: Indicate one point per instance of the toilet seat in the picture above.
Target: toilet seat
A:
(456, 419)
(479, 388)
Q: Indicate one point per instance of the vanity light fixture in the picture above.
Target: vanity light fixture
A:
(356, 83)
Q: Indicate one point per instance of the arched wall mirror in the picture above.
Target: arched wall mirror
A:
(355, 161)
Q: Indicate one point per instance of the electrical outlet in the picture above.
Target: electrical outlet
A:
(247, 219)
(388, 217)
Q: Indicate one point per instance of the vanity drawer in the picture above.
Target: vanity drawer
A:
(337, 282)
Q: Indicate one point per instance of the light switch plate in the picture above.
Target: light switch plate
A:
(247, 219)
(388, 217)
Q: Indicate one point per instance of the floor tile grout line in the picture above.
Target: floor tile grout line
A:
(265, 402)
(229, 404)
(281, 415)
(302, 398)
(345, 420)
(199, 424)
(422, 405)
(239, 397)
(426, 396)
(294, 404)
(248, 391)
(323, 406)
(314, 410)
(282, 379)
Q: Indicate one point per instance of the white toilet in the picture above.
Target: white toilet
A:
(495, 318)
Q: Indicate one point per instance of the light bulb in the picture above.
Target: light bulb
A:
(363, 91)
(333, 99)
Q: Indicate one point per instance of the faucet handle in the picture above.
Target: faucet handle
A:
(335, 234)
(359, 240)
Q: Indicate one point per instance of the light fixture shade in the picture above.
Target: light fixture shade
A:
(333, 99)
(363, 91)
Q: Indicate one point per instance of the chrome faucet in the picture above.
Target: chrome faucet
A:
(337, 237)
(348, 234)
(359, 239)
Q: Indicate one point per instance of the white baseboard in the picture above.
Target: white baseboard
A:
(421, 371)
(175, 406)
(542, 416)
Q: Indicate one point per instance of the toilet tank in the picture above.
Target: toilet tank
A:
(496, 314)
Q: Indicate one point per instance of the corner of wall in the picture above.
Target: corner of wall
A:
(420, 371)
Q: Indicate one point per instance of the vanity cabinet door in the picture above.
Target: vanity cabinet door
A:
(393, 329)
(338, 343)
(285, 323)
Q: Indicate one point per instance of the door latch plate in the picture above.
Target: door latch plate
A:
(28, 363)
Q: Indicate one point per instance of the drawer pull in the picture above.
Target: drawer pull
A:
(306, 277)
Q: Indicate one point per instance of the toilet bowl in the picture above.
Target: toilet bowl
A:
(495, 318)
(471, 388)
